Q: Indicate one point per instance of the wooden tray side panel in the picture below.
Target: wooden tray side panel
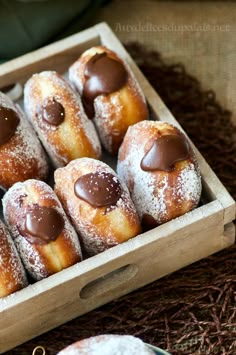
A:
(134, 265)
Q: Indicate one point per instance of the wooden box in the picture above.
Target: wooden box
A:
(126, 267)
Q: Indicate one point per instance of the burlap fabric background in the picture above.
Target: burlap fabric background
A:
(192, 311)
(200, 34)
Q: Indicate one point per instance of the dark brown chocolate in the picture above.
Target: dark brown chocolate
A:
(98, 189)
(9, 121)
(53, 112)
(103, 75)
(165, 152)
(42, 224)
(7, 88)
(148, 222)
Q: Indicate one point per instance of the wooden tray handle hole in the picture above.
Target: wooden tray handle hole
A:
(109, 281)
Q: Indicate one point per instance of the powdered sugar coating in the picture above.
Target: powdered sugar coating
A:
(99, 227)
(39, 260)
(12, 273)
(75, 136)
(116, 111)
(22, 157)
(162, 195)
(188, 184)
(108, 345)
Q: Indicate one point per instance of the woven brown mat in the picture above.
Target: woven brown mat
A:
(192, 311)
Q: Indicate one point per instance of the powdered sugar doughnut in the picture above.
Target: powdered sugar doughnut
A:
(43, 235)
(12, 273)
(98, 204)
(21, 155)
(159, 167)
(108, 344)
(58, 117)
(110, 93)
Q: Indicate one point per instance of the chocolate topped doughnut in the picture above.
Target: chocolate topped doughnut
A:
(21, 155)
(44, 237)
(110, 94)
(98, 204)
(58, 117)
(12, 273)
(158, 165)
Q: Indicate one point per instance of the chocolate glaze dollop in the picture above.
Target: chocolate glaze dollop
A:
(99, 189)
(52, 111)
(165, 152)
(9, 121)
(42, 224)
(103, 75)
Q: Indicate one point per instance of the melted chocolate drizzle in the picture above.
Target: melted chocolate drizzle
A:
(165, 152)
(103, 75)
(98, 189)
(53, 112)
(9, 121)
(42, 224)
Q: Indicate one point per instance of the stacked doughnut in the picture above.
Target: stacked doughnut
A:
(57, 115)
(91, 208)
(12, 273)
(42, 233)
(98, 204)
(110, 93)
(39, 237)
(21, 155)
(157, 163)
